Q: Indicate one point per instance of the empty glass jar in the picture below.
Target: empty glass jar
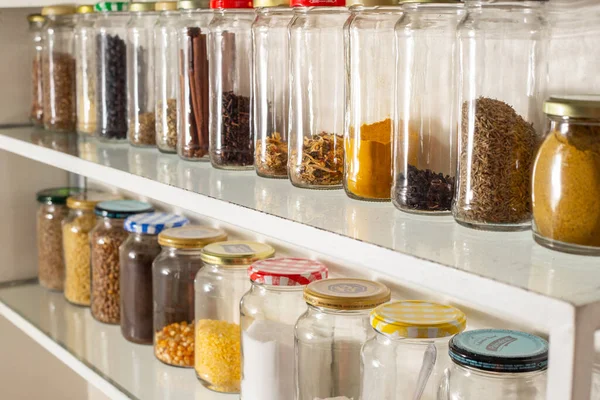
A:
(36, 113)
(85, 74)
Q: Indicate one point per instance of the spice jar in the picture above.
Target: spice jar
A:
(271, 87)
(220, 286)
(105, 239)
(566, 177)
(194, 95)
(411, 337)
(268, 313)
(58, 68)
(330, 334)
(85, 72)
(496, 364)
(50, 214)
(502, 59)
(173, 274)
(137, 254)
(231, 139)
(76, 244)
(36, 113)
(425, 156)
(111, 70)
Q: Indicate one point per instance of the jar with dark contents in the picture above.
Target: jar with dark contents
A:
(105, 240)
(137, 254)
(173, 274)
(36, 115)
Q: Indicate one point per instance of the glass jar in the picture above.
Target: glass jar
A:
(76, 244)
(502, 61)
(316, 159)
(566, 177)
(411, 341)
(231, 138)
(140, 74)
(105, 239)
(425, 155)
(85, 73)
(271, 87)
(194, 95)
(52, 210)
(165, 75)
(111, 70)
(268, 313)
(36, 113)
(220, 286)
(137, 253)
(173, 273)
(330, 334)
(496, 364)
(58, 68)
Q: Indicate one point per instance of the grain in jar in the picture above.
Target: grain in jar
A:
(85, 74)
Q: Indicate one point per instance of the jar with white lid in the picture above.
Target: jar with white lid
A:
(220, 286)
(85, 74)
(269, 311)
(411, 341)
(330, 334)
(496, 364)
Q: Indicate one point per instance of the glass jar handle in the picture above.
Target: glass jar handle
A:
(429, 359)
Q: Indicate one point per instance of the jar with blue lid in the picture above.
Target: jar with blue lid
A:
(496, 364)
(137, 254)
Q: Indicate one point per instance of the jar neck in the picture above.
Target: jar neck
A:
(499, 375)
(175, 251)
(112, 221)
(323, 310)
(384, 337)
(81, 211)
(142, 236)
(261, 288)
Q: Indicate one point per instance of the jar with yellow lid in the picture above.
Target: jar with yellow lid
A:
(411, 341)
(36, 113)
(220, 286)
(330, 334)
(173, 273)
(85, 74)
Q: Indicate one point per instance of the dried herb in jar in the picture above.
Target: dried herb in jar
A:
(236, 147)
(59, 92)
(424, 190)
(321, 162)
(272, 160)
(166, 134)
(144, 132)
(36, 114)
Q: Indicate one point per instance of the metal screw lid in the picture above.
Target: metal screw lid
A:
(193, 4)
(190, 237)
(576, 106)
(236, 253)
(270, 3)
(346, 294)
(141, 6)
(36, 18)
(165, 6)
(59, 9)
(85, 9)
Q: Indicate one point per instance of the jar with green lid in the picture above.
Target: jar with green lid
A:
(85, 57)
(330, 334)
(219, 287)
(566, 177)
(36, 113)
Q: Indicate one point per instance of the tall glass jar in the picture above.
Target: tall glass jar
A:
(85, 73)
(330, 334)
(496, 364)
(269, 311)
(220, 286)
(173, 274)
(36, 113)
(111, 70)
(270, 94)
(316, 149)
(58, 68)
(231, 139)
(194, 95)
(105, 239)
(502, 62)
(411, 339)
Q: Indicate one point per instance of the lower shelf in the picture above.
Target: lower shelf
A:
(97, 351)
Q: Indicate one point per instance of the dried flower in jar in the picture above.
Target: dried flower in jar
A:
(272, 160)
(322, 162)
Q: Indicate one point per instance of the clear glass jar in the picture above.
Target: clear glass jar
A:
(231, 141)
(173, 274)
(140, 74)
(105, 239)
(502, 60)
(52, 210)
(194, 95)
(220, 286)
(484, 365)
(425, 154)
(566, 177)
(36, 113)
(411, 338)
(85, 73)
(271, 99)
(136, 255)
(330, 334)
(318, 75)
(58, 68)
(111, 70)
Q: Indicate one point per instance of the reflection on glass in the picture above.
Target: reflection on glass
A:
(142, 161)
(364, 221)
(166, 169)
(112, 155)
(86, 147)
(432, 237)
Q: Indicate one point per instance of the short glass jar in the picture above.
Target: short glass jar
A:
(220, 286)
(496, 364)
(330, 335)
(411, 340)
(173, 274)
(269, 311)
(105, 240)
(566, 177)
(36, 113)
(85, 74)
